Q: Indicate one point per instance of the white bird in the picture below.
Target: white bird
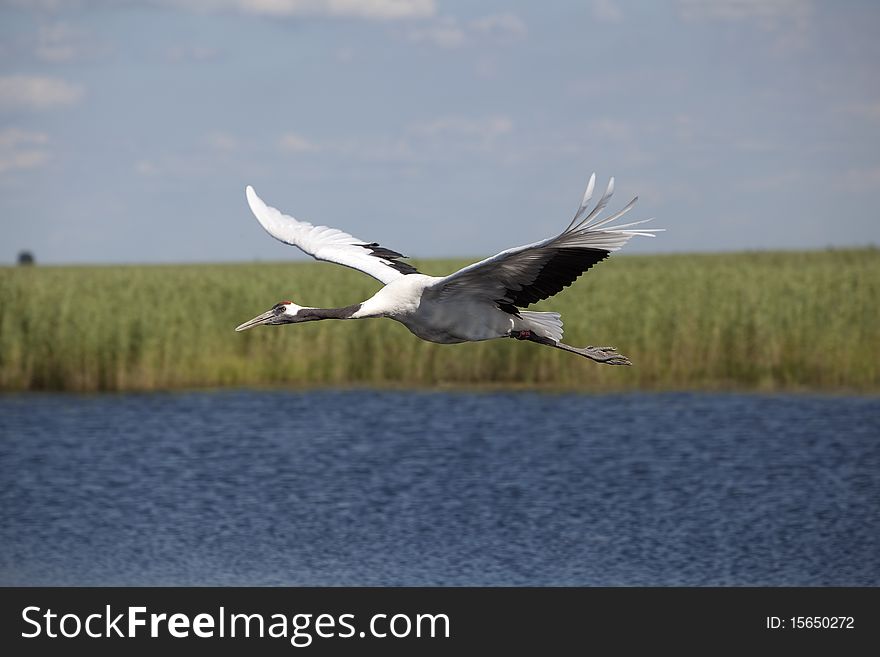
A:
(482, 301)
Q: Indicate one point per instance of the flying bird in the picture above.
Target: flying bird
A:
(482, 301)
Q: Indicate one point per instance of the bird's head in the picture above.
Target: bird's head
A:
(283, 312)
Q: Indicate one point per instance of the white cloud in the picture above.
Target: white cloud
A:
(455, 126)
(376, 150)
(381, 10)
(61, 42)
(775, 182)
(448, 32)
(486, 67)
(868, 110)
(766, 12)
(417, 143)
(24, 159)
(222, 141)
(858, 180)
(789, 20)
(190, 53)
(21, 150)
(344, 55)
(147, 168)
(500, 25)
(441, 139)
(383, 149)
(189, 164)
(752, 144)
(613, 129)
(43, 5)
(292, 142)
(11, 137)
(52, 41)
(37, 93)
(444, 32)
(459, 136)
(622, 137)
(371, 9)
(607, 11)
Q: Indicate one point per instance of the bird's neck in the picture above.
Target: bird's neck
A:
(312, 314)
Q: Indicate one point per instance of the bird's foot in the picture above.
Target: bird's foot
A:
(521, 335)
(606, 355)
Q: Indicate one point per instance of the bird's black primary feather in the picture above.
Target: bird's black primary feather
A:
(391, 257)
(561, 270)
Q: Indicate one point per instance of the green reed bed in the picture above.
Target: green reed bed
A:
(762, 321)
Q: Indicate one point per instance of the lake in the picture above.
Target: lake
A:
(439, 488)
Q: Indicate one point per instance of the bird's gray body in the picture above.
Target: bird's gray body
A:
(411, 301)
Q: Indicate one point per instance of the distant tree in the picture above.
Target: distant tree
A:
(26, 258)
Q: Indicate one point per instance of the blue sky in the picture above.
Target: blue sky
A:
(128, 130)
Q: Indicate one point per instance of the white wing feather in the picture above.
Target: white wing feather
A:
(321, 242)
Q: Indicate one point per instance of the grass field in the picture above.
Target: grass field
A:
(748, 321)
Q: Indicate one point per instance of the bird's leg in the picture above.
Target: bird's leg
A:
(606, 355)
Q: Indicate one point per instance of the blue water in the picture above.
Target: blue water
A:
(398, 488)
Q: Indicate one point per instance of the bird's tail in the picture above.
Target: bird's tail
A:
(548, 325)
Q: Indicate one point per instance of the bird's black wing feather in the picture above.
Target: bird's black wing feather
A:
(391, 257)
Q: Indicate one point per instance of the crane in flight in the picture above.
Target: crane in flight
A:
(482, 301)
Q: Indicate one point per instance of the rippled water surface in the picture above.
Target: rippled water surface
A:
(396, 488)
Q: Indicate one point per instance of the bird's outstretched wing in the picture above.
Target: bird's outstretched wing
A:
(330, 244)
(526, 274)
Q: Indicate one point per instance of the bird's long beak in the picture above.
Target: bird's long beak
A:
(265, 318)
